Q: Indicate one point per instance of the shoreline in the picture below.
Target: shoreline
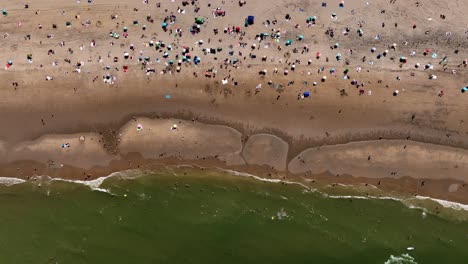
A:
(156, 145)
(407, 201)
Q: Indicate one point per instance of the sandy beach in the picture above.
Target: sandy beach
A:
(369, 93)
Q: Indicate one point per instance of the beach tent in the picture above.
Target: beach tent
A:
(199, 20)
(250, 20)
(306, 94)
(464, 89)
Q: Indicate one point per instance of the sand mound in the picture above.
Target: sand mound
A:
(63, 149)
(190, 140)
(385, 158)
(264, 149)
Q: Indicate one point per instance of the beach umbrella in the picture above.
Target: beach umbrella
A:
(199, 20)
(4, 12)
(301, 37)
(306, 94)
(68, 24)
(464, 89)
(288, 42)
(125, 29)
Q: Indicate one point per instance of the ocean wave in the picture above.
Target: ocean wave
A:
(10, 181)
(444, 203)
(96, 184)
(243, 174)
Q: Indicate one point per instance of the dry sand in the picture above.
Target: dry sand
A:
(238, 126)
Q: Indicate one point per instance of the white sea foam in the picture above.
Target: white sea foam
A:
(365, 197)
(403, 259)
(95, 184)
(10, 181)
(243, 174)
(446, 204)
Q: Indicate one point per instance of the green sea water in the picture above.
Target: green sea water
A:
(190, 216)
